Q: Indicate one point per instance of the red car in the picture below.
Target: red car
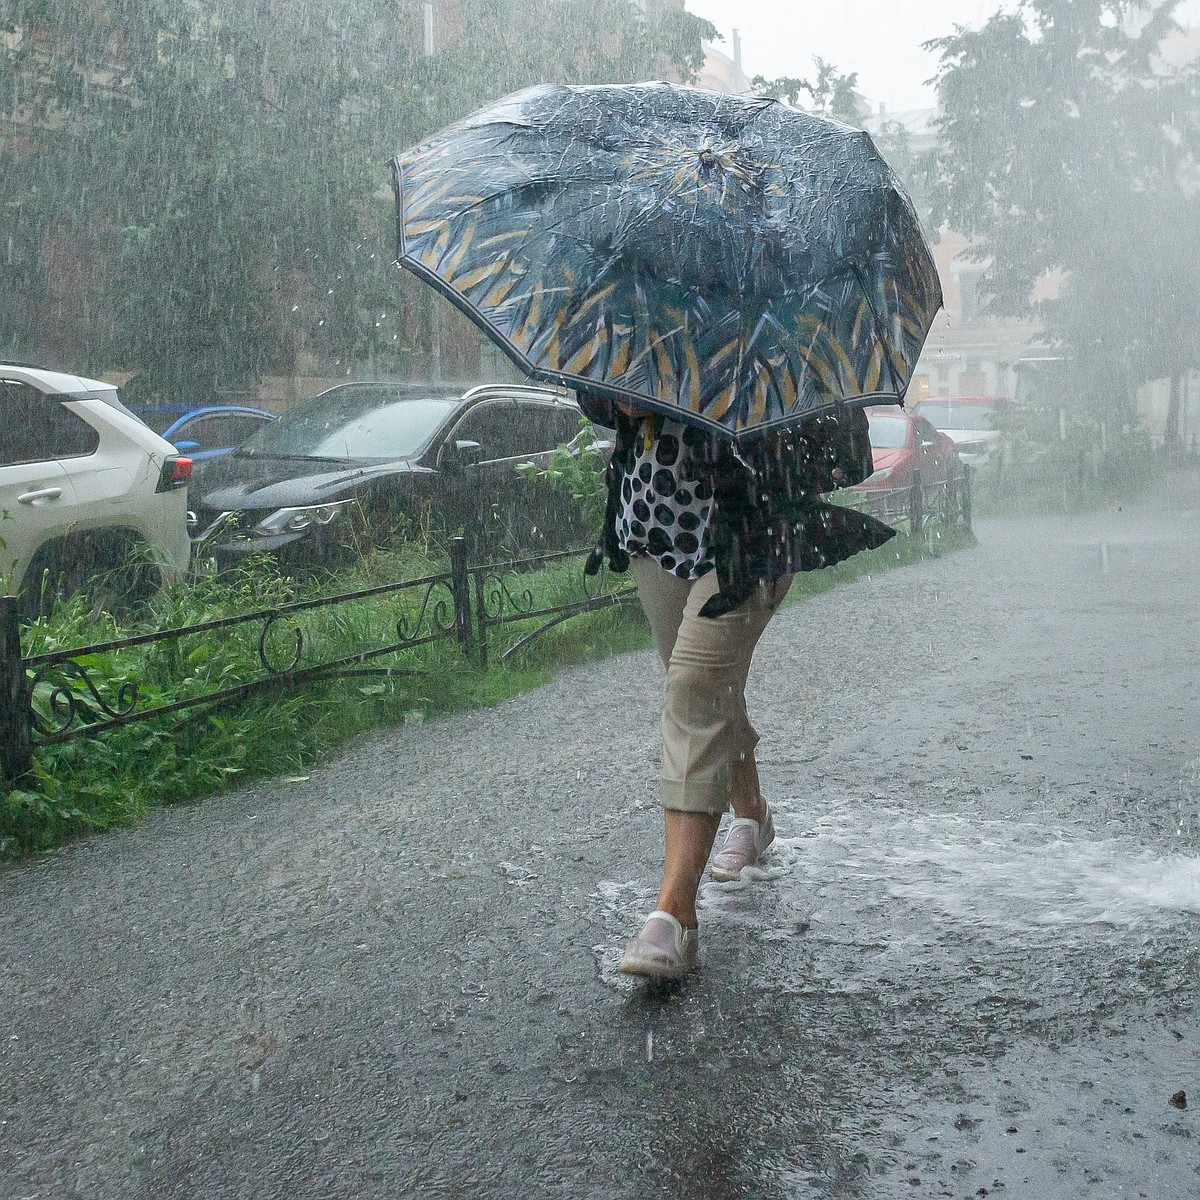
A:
(901, 444)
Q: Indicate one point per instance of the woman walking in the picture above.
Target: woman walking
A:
(713, 537)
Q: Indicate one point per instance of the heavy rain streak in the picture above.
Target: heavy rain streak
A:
(599, 598)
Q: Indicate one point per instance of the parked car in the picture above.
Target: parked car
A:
(972, 423)
(202, 431)
(365, 463)
(210, 432)
(902, 444)
(85, 487)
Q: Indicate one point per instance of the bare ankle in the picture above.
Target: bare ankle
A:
(754, 809)
(682, 911)
(686, 919)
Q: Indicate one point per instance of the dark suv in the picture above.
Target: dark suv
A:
(365, 464)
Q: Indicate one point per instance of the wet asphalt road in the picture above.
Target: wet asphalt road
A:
(969, 967)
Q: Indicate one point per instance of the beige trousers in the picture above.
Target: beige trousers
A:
(705, 726)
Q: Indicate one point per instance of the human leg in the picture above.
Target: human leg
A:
(666, 948)
(662, 597)
(689, 842)
(745, 793)
(708, 740)
(708, 745)
(753, 828)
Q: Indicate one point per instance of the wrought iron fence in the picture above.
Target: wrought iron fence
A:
(917, 503)
(56, 696)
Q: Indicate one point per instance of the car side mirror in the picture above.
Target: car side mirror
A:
(464, 453)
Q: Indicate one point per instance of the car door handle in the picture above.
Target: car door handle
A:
(40, 497)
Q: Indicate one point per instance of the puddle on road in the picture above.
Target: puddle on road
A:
(1009, 875)
(880, 869)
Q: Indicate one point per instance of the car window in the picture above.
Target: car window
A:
(219, 430)
(368, 424)
(560, 425)
(510, 429)
(888, 433)
(35, 427)
(494, 426)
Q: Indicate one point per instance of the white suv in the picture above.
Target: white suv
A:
(85, 488)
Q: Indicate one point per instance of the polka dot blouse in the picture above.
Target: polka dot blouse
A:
(663, 513)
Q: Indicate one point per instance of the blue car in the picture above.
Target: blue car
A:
(208, 432)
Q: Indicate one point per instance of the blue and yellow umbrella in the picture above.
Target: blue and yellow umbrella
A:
(729, 261)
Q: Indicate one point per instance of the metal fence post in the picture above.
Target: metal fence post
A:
(460, 588)
(966, 497)
(481, 617)
(16, 743)
(916, 506)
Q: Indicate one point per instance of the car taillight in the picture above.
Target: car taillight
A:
(176, 473)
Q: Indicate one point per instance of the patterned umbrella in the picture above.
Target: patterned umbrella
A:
(729, 261)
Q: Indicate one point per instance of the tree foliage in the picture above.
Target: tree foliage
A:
(196, 188)
(1068, 145)
(828, 92)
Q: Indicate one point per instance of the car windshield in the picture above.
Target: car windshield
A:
(946, 414)
(354, 423)
(888, 433)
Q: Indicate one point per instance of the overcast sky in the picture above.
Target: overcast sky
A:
(880, 39)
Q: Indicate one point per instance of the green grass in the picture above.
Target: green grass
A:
(114, 778)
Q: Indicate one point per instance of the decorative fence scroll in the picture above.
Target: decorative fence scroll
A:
(55, 697)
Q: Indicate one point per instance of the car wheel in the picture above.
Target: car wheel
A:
(117, 573)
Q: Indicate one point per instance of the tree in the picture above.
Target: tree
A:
(196, 188)
(830, 93)
(1068, 146)
(208, 157)
(501, 47)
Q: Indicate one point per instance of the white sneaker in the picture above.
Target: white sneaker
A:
(745, 842)
(663, 950)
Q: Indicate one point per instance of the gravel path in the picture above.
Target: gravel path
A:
(968, 968)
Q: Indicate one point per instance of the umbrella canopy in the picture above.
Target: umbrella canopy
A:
(730, 261)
